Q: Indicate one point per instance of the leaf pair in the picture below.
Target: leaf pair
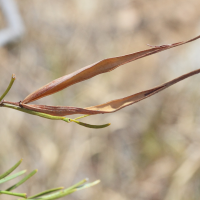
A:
(92, 70)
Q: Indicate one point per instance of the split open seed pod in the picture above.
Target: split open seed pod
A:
(92, 70)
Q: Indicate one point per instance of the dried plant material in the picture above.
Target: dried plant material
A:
(93, 70)
(59, 110)
(108, 107)
(106, 65)
(118, 104)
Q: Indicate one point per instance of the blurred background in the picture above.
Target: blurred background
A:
(151, 151)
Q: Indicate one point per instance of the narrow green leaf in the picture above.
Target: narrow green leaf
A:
(54, 196)
(78, 186)
(88, 185)
(13, 194)
(90, 125)
(64, 192)
(22, 181)
(8, 88)
(46, 192)
(10, 170)
(8, 178)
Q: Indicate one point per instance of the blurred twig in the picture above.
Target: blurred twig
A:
(15, 27)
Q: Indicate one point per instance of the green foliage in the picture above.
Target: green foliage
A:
(51, 194)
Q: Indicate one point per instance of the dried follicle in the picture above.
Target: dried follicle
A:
(106, 65)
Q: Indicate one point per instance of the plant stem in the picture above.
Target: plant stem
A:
(13, 194)
(44, 115)
(35, 113)
(9, 86)
(81, 117)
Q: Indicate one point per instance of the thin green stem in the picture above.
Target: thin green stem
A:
(13, 193)
(81, 117)
(9, 86)
(35, 113)
(44, 115)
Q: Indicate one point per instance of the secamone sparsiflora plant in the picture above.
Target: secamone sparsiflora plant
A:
(106, 65)
(59, 112)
